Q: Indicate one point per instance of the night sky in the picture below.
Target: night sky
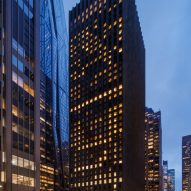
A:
(166, 27)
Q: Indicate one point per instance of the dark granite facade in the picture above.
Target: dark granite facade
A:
(107, 97)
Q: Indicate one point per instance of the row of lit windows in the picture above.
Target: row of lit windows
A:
(85, 33)
(96, 143)
(113, 125)
(95, 49)
(96, 140)
(107, 72)
(22, 180)
(91, 145)
(112, 149)
(95, 130)
(109, 97)
(107, 126)
(47, 169)
(22, 131)
(93, 9)
(21, 162)
(100, 119)
(19, 80)
(105, 58)
(108, 175)
(94, 125)
(76, 90)
(47, 180)
(99, 97)
(43, 120)
(95, 183)
(108, 75)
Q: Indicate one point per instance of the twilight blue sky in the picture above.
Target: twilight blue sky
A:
(166, 26)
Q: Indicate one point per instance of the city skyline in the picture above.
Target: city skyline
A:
(106, 85)
(166, 29)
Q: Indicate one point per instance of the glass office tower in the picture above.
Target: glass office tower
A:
(165, 175)
(19, 95)
(186, 163)
(168, 178)
(54, 167)
(171, 180)
(33, 96)
(153, 150)
(107, 96)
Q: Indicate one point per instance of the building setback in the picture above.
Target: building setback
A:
(54, 167)
(107, 96)
(19, 95)
(153, 150)
(186, 163)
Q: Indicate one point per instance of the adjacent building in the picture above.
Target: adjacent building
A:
(19, 95)
(168, 178)
(54, 167)
(153, 150)
(107, 96)
(165, 175)
(171, 180)
(186, 163)
(33, 96)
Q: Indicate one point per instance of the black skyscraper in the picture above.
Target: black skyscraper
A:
(107, 97)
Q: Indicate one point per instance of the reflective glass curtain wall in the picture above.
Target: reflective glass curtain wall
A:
(54, 76)
(165, 175)
(19, 98)
(171, 180)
